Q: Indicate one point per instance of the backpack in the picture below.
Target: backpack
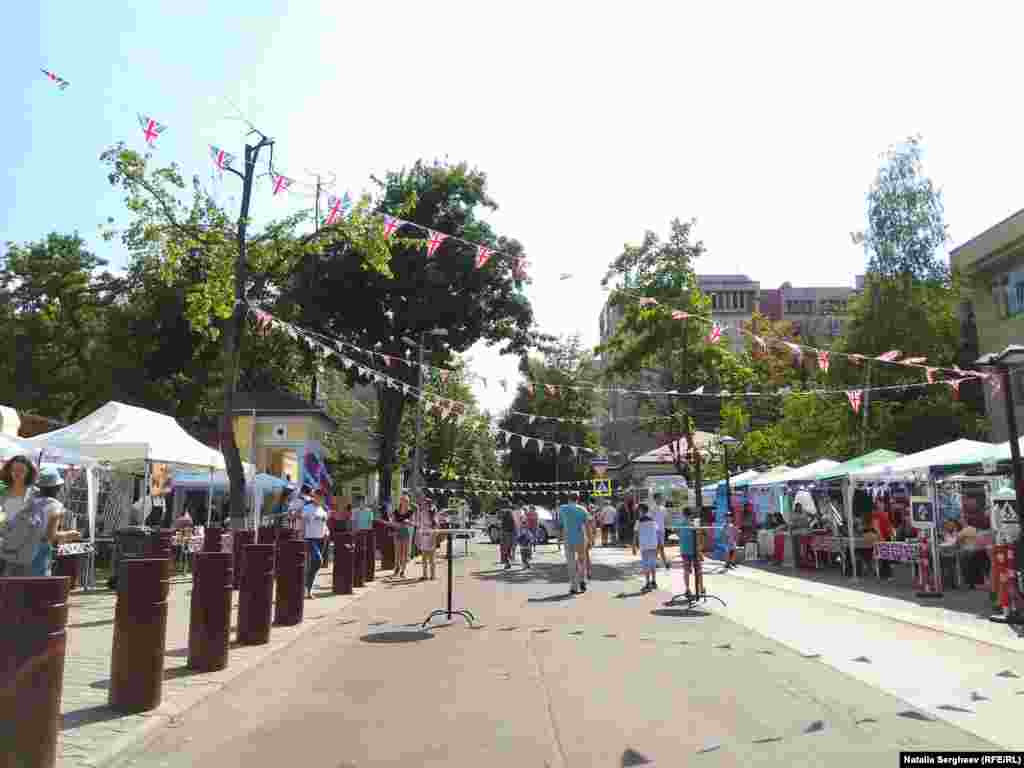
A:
(25, 531)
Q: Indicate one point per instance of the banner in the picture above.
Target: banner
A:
(314, 473)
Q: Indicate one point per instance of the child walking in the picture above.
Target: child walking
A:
(646, 538)
(732, 535)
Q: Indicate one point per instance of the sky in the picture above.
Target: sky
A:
(594, 122)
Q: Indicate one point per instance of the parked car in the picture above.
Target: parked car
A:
(548, 524)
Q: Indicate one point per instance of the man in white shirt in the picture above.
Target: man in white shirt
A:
(607, 523)
(314, 528)
(659, 514)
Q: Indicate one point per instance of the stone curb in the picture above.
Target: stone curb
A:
(113, 754)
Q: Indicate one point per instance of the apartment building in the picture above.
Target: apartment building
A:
(992, 315)
(818, 314)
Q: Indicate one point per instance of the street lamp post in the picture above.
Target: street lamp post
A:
(1011, 357)
(726, 442)
(417, 451)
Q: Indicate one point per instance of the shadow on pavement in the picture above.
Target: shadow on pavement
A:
(556, 573)
(79, 717)
(632, 758)
(624, 595)
(397, 636)
(556, 598)
(686, 613)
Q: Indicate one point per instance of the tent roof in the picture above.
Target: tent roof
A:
(219, 480)
(957, 453)
(663, 453)
(770, 476)
(736, 481)
(806, 472)
(880, 456)
(128, 436)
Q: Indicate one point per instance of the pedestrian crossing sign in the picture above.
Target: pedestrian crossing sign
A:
(602, 486)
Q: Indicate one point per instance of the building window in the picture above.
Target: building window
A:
(835, 326)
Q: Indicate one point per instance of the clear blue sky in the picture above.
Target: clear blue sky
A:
(594, 123)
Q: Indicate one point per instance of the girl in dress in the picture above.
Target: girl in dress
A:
(426, 538)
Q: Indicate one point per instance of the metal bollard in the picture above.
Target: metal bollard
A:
(212, 539)
(239, 541)
(358, 562)
(140, 635)
(290, 570)
(34, 614)
(344, 562)
(256, 598)
(385, 536)
(209, 627)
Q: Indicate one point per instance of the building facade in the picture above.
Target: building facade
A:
(992, 316)
(818, 313)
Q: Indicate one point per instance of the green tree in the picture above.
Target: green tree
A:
(377, 311)
(558, 391)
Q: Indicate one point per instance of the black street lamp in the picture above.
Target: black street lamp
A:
(1003, 362)
(726, 441)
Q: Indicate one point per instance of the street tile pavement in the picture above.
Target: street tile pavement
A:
(91, 734)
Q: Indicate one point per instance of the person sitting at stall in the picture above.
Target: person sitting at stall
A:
(183, 521)
(866, 553)
(975, 559)
(883, 526)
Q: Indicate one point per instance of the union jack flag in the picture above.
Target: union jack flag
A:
(151, 129)
(281, 183)
(338, 206)
(678, 314)
(60, 81)
(914, 360)
(391, 225)
(855, 396)
(889, 357)
(550, 390)
(263, 320)
(955, 384)
(823, 360)
(996, 380)
(519, 269)
(221, 158)
(647, 301)
(930, 374)
(483, 255)
(434, 240)
(530, 389)
(714, 334)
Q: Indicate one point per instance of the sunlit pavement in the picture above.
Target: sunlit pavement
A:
(609, 678)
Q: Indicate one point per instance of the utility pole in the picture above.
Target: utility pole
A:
(418, 450)
(233, 333)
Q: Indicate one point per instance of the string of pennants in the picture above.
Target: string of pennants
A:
(515, 483)
(491, 492)
(339, 208)
(823, 356)
(443, 406)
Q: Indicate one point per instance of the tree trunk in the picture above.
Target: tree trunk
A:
(228, 444)
(392, 405)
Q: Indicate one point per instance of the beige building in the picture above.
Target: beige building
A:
(734, 299)
(992, 317)
(817, 313)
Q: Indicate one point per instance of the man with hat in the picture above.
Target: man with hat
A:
(29, 538)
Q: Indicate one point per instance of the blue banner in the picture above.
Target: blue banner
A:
(721, 519)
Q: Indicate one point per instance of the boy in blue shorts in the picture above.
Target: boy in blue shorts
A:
(687, 548)
(646, 539)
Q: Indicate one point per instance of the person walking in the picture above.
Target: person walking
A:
(607, 523)
(509, 525)
(658, 514)
(426, 538)
(31, 534)
(687, 549)
(314, 520)
(574, 521)
(646, 538)
(403, 535)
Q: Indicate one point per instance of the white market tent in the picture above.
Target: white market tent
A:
(800, 474)
(128, 438)
(14, 446)
(735, 481)
(958, 453)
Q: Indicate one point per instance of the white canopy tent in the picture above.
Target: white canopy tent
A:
(960, 452)
(800, 474)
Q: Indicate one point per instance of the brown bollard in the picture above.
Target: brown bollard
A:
(267, 535)
(344, 562)
(286, 534)
(256, 598)
(209, 627)
(140, 635)
(290, 568)
(358, 557)
(240, 540)
(211, 539)
(34, 614)
(161, 546)
(371, 554)
(385, 536)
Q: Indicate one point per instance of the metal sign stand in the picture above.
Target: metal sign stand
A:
(449, 612)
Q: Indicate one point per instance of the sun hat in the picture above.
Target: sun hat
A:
(49, 478)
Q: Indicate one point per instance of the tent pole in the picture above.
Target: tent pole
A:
(145, 490)
(848, 503)
(209, 501)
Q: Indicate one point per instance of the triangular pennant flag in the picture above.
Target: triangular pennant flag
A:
(823, 360)
(519, 269)
(678, 314)
(698, 391)
(444, 375)
(263, 320)
(281, 183)
(483, 255)
(760, 342)
(798, 353)
(391, 225)
(550, 390)
(855, 396)
(647, 301)
(996, 380)
(434, 240)
(955, 384)
(338, 207)
(889, 357)
(913, 360)
(930, 375)
(221, 159)
(151, 129)
(59, 81)
(714, 334)
(530, 388)
(855, 359)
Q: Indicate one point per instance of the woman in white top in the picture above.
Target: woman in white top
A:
(314, 522)
(19, 475)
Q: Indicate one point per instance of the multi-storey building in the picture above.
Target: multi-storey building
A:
(992, 316)
(818, 313)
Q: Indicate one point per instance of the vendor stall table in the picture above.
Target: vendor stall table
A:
(85, 553)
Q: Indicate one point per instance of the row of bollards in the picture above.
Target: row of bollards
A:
(34, 612)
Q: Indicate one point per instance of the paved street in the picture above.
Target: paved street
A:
(610, 678)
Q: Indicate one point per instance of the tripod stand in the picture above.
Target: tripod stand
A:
(699, 594)
(467, 615)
